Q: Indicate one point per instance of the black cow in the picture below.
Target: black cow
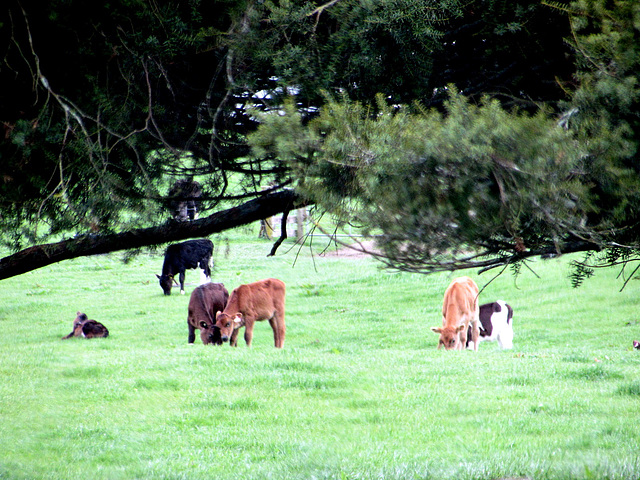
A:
(205, 302)
(182, 256)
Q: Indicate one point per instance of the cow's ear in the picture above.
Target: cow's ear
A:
(460, 328)
(238, 318)
(203, 325)
(436, 329)
(158, 276)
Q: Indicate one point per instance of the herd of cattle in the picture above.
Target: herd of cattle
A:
(219, 315)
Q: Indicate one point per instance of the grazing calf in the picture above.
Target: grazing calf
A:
(83, 327)
(205, 302)
(496, 323)
(182, 256)
(250, 303)
(459, 310)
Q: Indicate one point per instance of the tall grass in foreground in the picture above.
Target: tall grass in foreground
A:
(358, 392)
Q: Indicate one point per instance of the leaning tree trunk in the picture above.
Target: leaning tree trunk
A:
(39, 256)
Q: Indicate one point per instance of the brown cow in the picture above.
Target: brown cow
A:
(250, 303)
(83, 327)
(205, 302)
(459, 309)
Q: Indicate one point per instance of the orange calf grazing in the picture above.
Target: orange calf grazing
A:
(459, 309)
(83, 327)
(250, 303)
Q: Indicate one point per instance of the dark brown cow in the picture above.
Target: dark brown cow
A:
(205, 302)
(250, 303)
(83, 327)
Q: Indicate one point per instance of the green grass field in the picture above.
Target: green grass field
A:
(359, 391)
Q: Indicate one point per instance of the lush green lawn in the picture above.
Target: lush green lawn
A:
(359, 391)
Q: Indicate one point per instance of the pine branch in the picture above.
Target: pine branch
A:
(40, 256)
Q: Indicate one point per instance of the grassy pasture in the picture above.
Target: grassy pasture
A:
(358, 392)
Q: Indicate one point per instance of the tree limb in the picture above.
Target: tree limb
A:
(40, 256)
(321, 8)
(283, 234)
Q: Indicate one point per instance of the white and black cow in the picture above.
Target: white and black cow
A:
(496, 323)
(182, 256)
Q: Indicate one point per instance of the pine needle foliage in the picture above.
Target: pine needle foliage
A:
(444, 190)
(606, 118)
(476, 185)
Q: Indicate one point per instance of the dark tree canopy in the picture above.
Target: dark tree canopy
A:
(482, 186)
(103, 107)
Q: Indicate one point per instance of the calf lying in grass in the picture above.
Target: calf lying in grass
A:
(83, 327)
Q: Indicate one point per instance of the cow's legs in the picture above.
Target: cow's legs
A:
(192, 333)
(205, 273)
(475, 335)
(475, 324)
(207, 265)
(233, 341)
(70, 335)
(248, 332)
(277, 324)
(462, 339)
(181, 277)
(505, 337)
(203, 277)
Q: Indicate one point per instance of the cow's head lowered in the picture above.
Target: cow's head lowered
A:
(209, 333)
(449, 336)
(228, 323)
(166, 282)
